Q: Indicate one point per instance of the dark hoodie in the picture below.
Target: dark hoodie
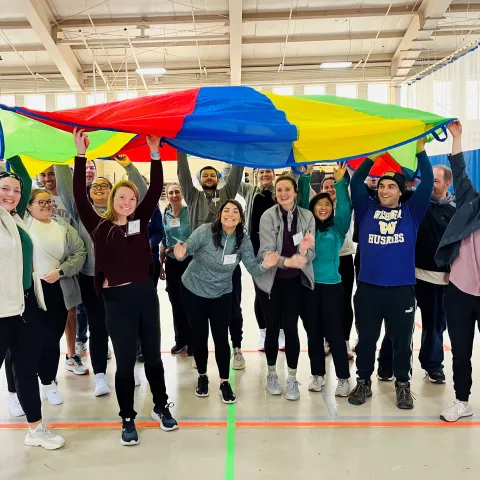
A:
(431, 232)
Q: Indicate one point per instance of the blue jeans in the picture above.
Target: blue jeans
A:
(82, 324)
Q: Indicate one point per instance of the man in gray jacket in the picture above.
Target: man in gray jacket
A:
(203, 206)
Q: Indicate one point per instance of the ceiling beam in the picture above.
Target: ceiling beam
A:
(41, 18)
(235, 8)
(420, 30)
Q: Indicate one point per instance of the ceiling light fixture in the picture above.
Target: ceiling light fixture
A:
(151, 71)
(335, 64)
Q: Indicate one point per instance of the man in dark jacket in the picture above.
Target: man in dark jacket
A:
(460, 248)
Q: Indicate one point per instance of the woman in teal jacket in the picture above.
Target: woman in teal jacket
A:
(323, 313)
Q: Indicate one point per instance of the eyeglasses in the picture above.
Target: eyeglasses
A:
(100, 186)
(11, 175)
(44, 203)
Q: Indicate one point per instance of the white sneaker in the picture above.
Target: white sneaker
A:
(349, 351)
(318, 381)
(273, 386)
(109, 353)
(42, 436)
(51, 394)
(281, 340)
(291, 389)
(343, 388)
(138, 381)
(14, 406)
(261, 340)
(80, 349)
(194, 363)
(456, 410)
(101, 385)
(326, 348)
(75, 365)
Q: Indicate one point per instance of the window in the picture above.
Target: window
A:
(66, 101)
(378, 92)
(472, 107)
(36, 102)
(314, 90)
(96, 98)
(348, 91)
(442, 98)
(283, 90)
(8, 100)
(127, 95)
(403, 96)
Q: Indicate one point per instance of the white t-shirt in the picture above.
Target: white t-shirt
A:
(49, 242)
(437, 278)
(59, 210)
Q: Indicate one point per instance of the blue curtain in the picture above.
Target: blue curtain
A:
(472, 159)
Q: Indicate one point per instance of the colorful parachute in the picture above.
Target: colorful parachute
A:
(233, 124)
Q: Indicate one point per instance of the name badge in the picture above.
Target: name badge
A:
(230, 259)
(133, 227)
(175, 222)
(297, 238)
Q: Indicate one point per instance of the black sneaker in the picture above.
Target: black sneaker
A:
(361, 392)
(438, 378)
(202, 386)
(226, 393)
(177, 348)
(164, 417)
(129, 433)
(404, 396)
(384, 374)
(190, 352)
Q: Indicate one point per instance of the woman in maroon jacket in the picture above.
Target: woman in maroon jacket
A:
(122, 261)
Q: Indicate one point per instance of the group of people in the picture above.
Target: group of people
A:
(90, 257)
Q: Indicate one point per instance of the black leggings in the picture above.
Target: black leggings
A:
(95, 310)
(174, 270)
(283, 303)
(133, 312)
(347, 272)
(322, 316)
(236, 318)
(199, 311)
(20, 335)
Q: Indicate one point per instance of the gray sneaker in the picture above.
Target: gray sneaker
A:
(291, 391)
(238, 360)
(273, 387)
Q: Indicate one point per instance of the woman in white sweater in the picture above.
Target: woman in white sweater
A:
(21, 298)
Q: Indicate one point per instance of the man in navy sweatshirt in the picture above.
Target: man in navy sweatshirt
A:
(386, 287)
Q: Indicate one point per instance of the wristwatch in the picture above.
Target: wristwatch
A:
(61, 272)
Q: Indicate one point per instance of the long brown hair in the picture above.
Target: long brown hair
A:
(217, 229)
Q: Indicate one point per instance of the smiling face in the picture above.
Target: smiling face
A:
(265, 177)
(124, 202)
(230, 217)
(285, 194)
(10, 193)
(174, 194)
(389, 194)
(90, 173)
(48, 180)
(328, 187)
(440, 185)
(209, 179)
(100, 191)
(323, 209)
(41, 207)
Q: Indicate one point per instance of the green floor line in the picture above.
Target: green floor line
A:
(230, 449)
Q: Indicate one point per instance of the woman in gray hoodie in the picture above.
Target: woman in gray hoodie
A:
(217, 249)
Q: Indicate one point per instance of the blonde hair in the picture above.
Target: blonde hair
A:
(110, 213)
(169, 206)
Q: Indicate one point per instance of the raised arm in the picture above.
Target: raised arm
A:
(146, 208)
(134, 176)
(303, 198)
(21, 171)
(244, 188)
(343, 211)
(233, 181)
(185, 178)
(64, 178)
(358, 189)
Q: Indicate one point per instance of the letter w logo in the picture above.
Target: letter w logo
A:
(387, 228)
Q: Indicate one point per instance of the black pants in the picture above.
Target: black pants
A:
(322, 316)
(199, 311)
(95, 310)
(283, 303)
(173, 273)
(236, 319)
(82, 324)
(9, 373)
(463, 312)
(347, 273)
(154, 272)
(397, 306)
(257, 306)
(53, 327)
(20, 335)
(133, 312)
